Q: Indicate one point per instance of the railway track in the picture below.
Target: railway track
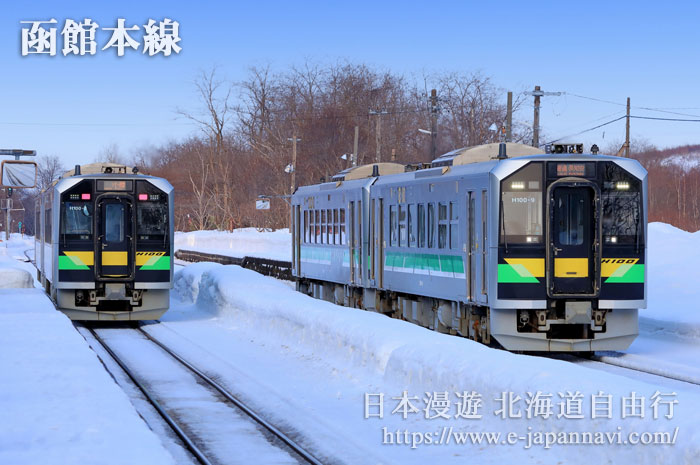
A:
(609, 359)
(279, 269)
(196, 445)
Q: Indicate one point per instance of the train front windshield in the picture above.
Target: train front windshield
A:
(77, 220)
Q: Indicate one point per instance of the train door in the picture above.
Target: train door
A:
(380, 244)
(372, 244)
(115, 238)
(573, 239)
(351, 241)
(472, 247)
(296, 253)
(357, 244)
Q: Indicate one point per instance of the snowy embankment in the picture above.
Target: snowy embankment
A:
(673, 276)
(403, 356)
(250, 242)
(58, 403)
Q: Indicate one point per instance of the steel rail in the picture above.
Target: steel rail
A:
(188, 443)
(304, 454)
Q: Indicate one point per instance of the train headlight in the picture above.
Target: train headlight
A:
(622, 186)
(517, 185)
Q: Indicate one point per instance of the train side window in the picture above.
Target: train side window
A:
(336, 230)
(329, 229)
(324, 227)
(342, 226)
(317, 228)
(412, 225)
(306, 226)
(402, 226)
(431, 225)
(442, 226)
(393, 229)
(454, 226)
(421, 225)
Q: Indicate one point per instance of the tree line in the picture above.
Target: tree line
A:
(244, 144)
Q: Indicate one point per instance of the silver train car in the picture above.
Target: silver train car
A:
(539, 251)
(103, 243)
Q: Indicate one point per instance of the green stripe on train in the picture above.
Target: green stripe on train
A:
(630, 274)
(430, 262)
(71, 263)
(514, 274)
(157, 263)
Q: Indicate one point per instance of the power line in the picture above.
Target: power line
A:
(659, 110)
(587, 130)
(666, 119)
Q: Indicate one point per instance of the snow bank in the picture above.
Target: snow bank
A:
(250, 242)
(673, 273)
(674, 294)
(58, 403)
(411, 357)
(14, 277)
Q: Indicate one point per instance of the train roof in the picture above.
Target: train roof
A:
(482, 153)
(465, 161)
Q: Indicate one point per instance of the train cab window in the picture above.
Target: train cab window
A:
(152, 220)
(622, 211)
(521, 206)
(393, 228)
(76, 221)
(442, 225)
(114, 222)
(431, 225)
(412, 225)
(571, 208)
(403, 242)
(454, 226)
(342, 226)
(421, 225)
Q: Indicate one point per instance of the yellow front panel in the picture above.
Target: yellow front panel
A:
(87, 258)
(534, 265)
(570, 267)
(114, 258)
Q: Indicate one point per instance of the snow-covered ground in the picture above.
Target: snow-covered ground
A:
(686, 162)
(250, 242)
(57, 403)
(321, 373)
(308, 365)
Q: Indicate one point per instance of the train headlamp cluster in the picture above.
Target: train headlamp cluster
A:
(622, 186)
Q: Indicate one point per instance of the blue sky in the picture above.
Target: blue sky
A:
(74, 107)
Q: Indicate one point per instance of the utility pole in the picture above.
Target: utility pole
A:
(509, 118)
(294, 161)
(378, 132)
(354, 147)
(627, 130)
(434, 110)
(537, 93)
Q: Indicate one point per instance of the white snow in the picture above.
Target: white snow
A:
(686, 162)
(250, 242)
(322, 359)
(57, 403)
